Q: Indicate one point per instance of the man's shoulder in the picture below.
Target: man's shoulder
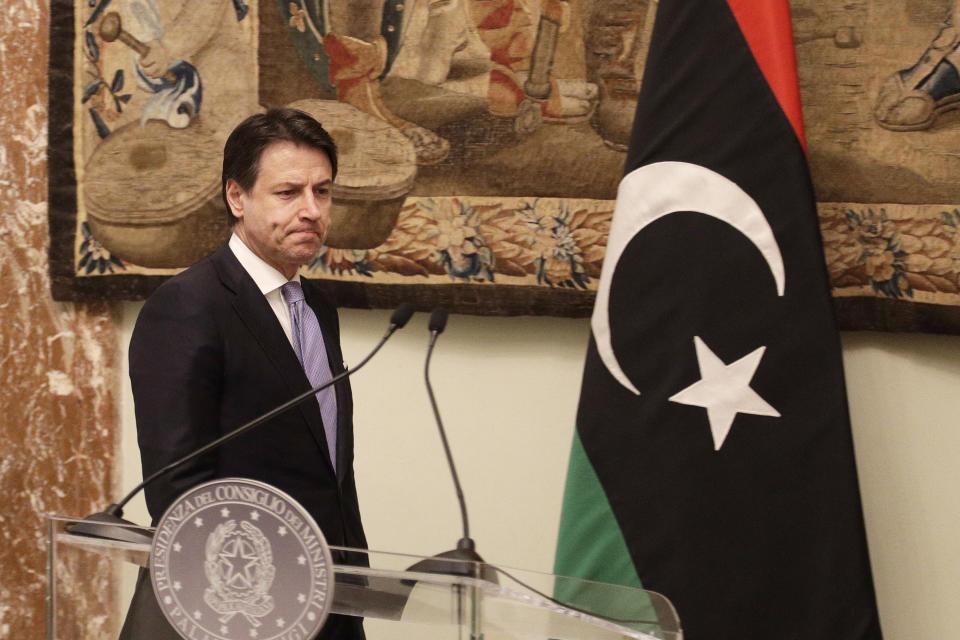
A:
(321, 301)
(313, 284)
(316, 292)
(195, 285)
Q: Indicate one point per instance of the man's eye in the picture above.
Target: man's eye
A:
(285, 193)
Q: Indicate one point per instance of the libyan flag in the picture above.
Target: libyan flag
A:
(713, 459)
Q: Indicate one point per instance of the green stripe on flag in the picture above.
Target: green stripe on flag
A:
(590, 544)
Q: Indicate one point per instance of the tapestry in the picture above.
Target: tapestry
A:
(481, 144)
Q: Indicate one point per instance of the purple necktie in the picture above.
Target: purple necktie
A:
(310, 350)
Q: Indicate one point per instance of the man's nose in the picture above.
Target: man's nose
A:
(315, 208)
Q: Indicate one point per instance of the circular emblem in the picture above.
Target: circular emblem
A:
(237, 558)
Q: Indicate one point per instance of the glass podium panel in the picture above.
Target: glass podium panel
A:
(398, 595)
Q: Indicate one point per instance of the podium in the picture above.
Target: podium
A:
(90, 583)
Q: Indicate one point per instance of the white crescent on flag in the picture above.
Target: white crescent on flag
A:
(653, 191)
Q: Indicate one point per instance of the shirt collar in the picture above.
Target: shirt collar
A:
(266, 277)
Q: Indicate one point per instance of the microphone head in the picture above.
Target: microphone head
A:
(438, 320)
(402, 315)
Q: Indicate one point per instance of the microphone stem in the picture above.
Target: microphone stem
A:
(443, 437)
(117, 509)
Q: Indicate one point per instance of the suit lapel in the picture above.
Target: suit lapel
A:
(255, 312)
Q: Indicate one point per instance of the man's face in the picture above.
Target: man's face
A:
(285, 217)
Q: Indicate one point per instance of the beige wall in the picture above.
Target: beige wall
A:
(904, 405)
(508, 389)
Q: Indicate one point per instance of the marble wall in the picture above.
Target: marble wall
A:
(58, 370)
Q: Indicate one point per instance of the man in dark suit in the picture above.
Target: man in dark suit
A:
(217, 346)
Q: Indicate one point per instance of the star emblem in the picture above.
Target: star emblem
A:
(301, 560)
(177, 586)
(224, 629)
(311, 616)
(280, 622)
(198, 522)
(254, 515)
(225, 512)
(253, 633)
(197, 614)
(301, 598)
(724, 390)
(238, 562)
(177, 547)
(282, 531)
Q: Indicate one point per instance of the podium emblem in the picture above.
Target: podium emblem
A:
(239, 589)
(237, 558)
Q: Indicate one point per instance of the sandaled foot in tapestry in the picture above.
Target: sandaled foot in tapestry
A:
(571, 99)
(357, 53)
(507, 29)
(912, 99)
(355, 66)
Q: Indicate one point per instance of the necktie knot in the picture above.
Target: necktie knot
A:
(292, 292)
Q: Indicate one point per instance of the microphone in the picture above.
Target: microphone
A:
(457, 561)
(398, 320)
(105, 523)
(438, 322)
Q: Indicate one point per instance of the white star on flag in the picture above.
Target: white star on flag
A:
(724, 390)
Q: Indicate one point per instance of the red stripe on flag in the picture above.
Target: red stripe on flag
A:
(769, 32)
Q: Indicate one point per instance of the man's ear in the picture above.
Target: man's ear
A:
(234, 198)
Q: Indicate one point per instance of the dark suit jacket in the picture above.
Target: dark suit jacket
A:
(208, 355)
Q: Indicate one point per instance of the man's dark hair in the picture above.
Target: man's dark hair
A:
(241, 153)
